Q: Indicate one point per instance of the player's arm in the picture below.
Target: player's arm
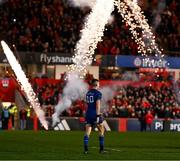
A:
(99, 115)
(98, 106)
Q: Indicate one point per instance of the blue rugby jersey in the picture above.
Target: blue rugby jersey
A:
(91, 97)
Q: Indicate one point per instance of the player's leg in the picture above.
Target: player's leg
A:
(101, 137)
(86, 137)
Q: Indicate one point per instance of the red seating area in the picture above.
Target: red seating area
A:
(130, 98)
(54, 26)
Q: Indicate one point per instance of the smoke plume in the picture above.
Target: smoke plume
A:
(135, 1)
(91, 34)
(75, 89)
(82, 3)
(107, 94)
(2, 1)
(157, 14)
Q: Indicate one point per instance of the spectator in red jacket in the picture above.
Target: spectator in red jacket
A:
(149, 120)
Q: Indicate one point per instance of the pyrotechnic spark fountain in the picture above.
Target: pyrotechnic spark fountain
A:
(135, 1)
(91, 34)
(133, 16)
(25, 85)
(83, 3)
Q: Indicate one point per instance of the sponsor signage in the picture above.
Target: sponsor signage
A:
(41, 58)
(63, 59)
(157, 125)
(112, 124)
(55, 59)
(147, 62)
(173, 125)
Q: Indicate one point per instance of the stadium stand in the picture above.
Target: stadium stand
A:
(54, 26)
(158, 97)
(41, 28)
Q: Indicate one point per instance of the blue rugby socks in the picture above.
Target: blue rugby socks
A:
(101, 143)
(86, 140)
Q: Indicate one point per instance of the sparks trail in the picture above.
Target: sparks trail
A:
(92, 33)
(139, 27)
(25, 85)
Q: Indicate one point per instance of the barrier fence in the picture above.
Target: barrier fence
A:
(110, 124)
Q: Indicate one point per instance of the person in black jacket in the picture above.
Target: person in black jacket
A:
(141, 117)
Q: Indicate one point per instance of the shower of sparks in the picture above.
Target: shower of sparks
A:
(135, 1)
(25, 85)
(92, 33)
(139, 27)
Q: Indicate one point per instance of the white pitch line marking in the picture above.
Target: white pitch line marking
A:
(112, 149)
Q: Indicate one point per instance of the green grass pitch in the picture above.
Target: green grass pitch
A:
(63, 145)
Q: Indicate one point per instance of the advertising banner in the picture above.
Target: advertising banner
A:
(54, 58)
(110, 124)
(166, 125)
(45, 58)
(157, 125)
(147, 62)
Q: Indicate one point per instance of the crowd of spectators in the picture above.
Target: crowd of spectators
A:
(48, 26)
(54, 26)
(129, 101)
(132, 100)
